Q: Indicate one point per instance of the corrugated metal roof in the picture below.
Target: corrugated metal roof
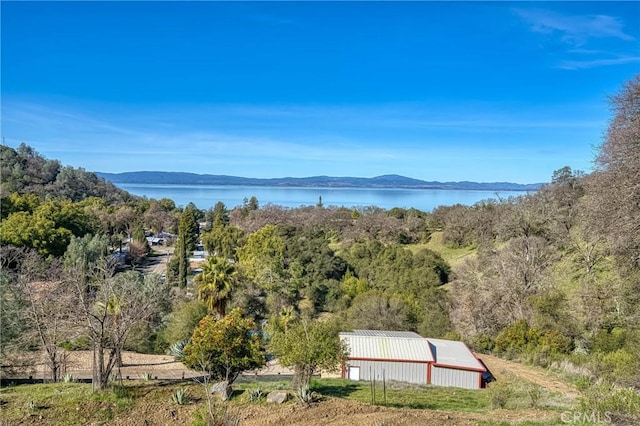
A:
(409, 346)
(384, 347)
(386, 333)
(454, 353)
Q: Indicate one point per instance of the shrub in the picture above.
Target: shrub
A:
(254, 395)
(609, 340)
(556, 342)
(180, 397)
(621, 405)
(177, 349)
(534, 394)
(500, 392)
(305, 395)
(517, 338)
(483, 343)
(583, 383)
(620, 367)
(183, 320)
(219, 414)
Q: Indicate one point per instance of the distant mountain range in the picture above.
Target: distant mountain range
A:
(386, 181)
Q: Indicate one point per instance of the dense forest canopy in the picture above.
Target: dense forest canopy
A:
(547, 276)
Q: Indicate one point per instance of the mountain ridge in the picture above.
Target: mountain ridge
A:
(383, 181)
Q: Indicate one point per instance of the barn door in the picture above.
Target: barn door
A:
(354, 373)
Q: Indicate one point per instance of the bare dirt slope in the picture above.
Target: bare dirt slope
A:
(340, 412)
(330, 411)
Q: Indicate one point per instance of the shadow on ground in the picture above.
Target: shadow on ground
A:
(338, 390)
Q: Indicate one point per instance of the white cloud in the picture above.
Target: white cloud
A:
(585, 41)
(295, 140)
(582, 64)
(575, 30)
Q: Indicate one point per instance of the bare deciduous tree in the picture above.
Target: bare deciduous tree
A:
(110, 307)
(614, 189)
(49, 310)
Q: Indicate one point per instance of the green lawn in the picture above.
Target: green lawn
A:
(402, 395)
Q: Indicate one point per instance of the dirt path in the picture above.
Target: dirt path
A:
(502, 368)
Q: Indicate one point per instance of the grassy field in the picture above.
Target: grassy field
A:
(453, 256)
(405, 396)
(68, 403)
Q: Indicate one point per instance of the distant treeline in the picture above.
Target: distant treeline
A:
(386, 181)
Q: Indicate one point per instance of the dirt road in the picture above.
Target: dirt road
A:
(157, 264)
(502, 368)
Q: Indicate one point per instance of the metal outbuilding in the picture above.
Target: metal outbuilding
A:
(408, 357)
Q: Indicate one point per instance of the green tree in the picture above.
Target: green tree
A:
(249, 205)
(225, 348)
(86, 251)
(353, 286)
(223, 241)
(308, 347)
(220, 215)
(380, 311)
(215, 284)
(189, 228)
(183, 320)
(180, 261)
(23, 229)
(186, 243)
(262, 257)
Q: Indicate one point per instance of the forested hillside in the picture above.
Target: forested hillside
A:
(553, 277)
(387, 181)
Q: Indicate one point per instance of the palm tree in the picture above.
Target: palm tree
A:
(215, 284)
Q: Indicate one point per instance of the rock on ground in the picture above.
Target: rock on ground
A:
(277, 397)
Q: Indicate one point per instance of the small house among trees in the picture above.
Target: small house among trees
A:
(408, 357)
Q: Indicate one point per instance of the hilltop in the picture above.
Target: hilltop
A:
(385, 181)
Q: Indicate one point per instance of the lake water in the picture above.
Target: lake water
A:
(206, 196)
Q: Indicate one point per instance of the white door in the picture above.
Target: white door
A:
(354, 373)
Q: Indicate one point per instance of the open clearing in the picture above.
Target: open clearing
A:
(151, 400)
(73, 404)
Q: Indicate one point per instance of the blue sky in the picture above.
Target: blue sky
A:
(504, 91)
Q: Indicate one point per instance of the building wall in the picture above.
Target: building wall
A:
(410, 372)
(457, 378)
